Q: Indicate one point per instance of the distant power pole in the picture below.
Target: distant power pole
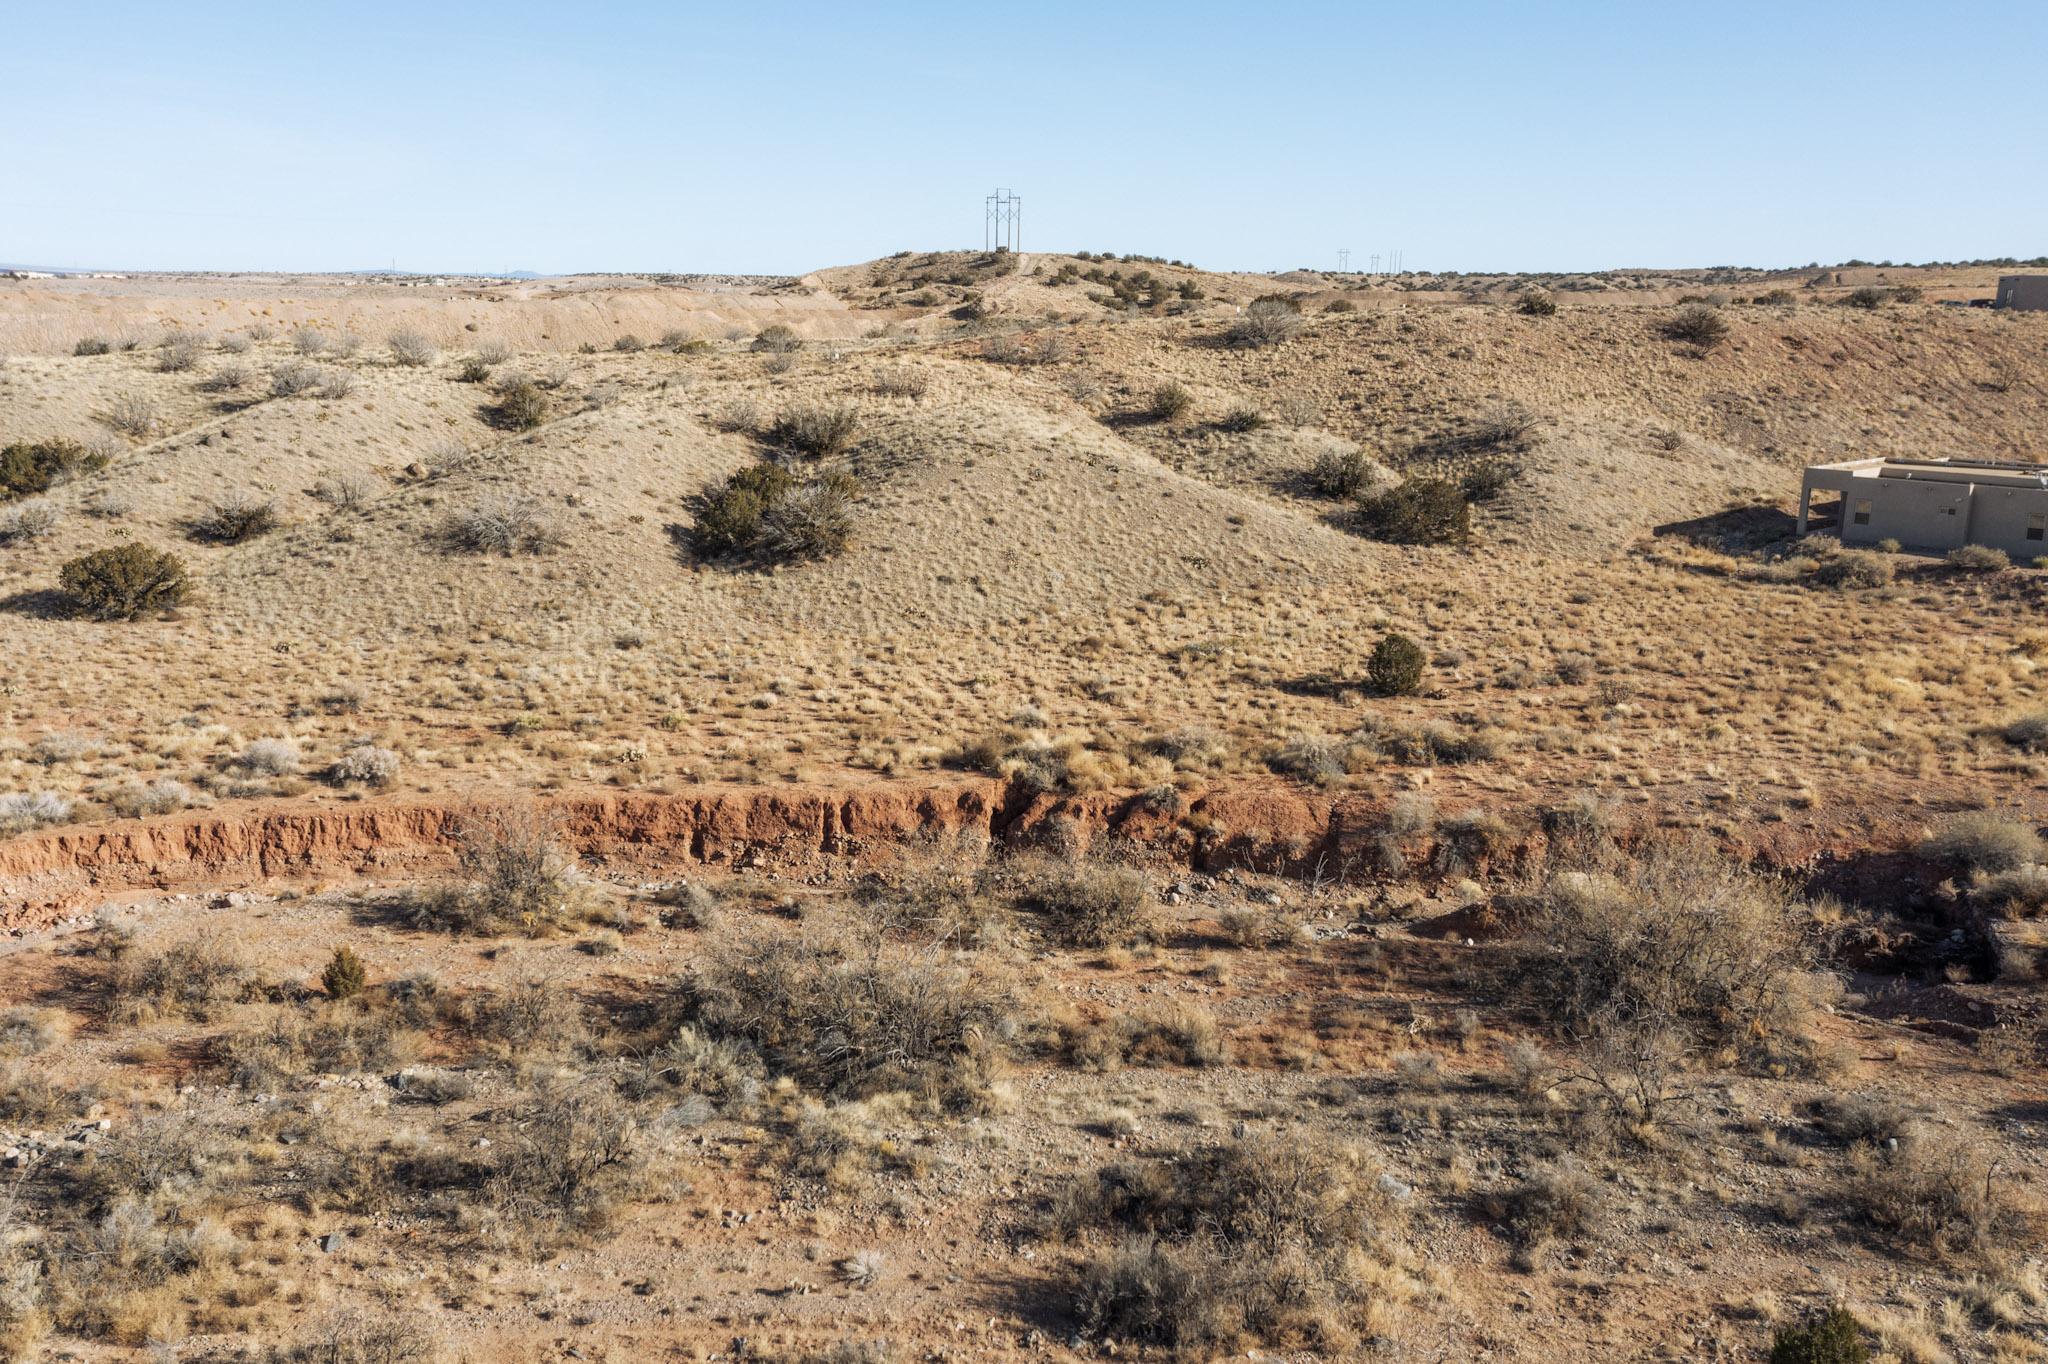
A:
(1375, 262)
(1343, 260)
(1003, 222)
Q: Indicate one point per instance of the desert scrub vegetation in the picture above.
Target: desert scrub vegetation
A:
(22, 813)
(502, 523)
(363, 764)
(777, 339)
(1982, 843)
(124, 582)
(513, 876)
(1266, 321)
(775, 514)
(30, 468)
(816, 430)
(1698, 325)
(521, 406)
(848, 1016)
(1263, 1240)
(1341, 470)
(191, 980)
(1655, 957)
(231, 517)
(1416, 511)
(1169, 403)
(1089, 903)
(410, 349)
(1395, 666)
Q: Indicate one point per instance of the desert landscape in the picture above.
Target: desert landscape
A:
(1014, 805)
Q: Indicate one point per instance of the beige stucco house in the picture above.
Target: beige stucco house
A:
(2028, 292)
(1935, 504)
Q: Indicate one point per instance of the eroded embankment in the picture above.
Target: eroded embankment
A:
(1262, 825)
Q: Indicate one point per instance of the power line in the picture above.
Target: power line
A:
(1002, 226)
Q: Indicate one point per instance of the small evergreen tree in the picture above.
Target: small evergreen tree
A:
(344, 976)
(1395, 668)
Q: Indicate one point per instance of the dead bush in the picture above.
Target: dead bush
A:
(1938, 1194)
(1258, 1240)
(503, 523)
(566, 1159)
(234, 516)
(1092, 904)
(847, 1018)
(515, 877)
(411, 349)
(190, 980)
(1672, 950)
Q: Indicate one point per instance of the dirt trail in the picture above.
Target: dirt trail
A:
(1262, 825)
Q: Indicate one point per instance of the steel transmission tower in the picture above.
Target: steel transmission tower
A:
(1003, 222)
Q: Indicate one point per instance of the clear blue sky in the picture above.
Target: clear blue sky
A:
(778, 137)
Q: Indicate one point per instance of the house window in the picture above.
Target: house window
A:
(2037, 525)
(1862, 514)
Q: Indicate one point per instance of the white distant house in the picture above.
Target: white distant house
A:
(31, 274)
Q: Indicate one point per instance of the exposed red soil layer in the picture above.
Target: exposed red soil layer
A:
(1263, 825)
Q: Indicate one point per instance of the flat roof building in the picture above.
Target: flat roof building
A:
(1935, 504)
(2028, 292)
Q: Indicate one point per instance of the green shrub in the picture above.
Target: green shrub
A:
(122, 582)
(93, 345)
(1395, 668)
(1418, 511)
(345, 975)
(1696, 324)
(1830, 1338)
(31, 467)
(773, 512)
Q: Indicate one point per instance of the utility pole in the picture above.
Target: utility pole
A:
(1343, 260)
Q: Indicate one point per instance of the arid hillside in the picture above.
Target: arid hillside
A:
(973, 806)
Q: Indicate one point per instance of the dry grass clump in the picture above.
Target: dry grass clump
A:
(292, 378)
(326, 1039)
(515, 877)
(902, 382)
(847, 1018)
(1264, 1240)
(1669, 951)
(1979, 559)
(502, 523)
(226, 379)
(133, 415)
(24, 812)
(348, 490)
(1561, 1201)
(1982, 843)
(269, 758)
(27, 522)
(364, 764)
(136, 799)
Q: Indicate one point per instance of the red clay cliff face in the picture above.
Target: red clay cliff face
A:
(1266, 826)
